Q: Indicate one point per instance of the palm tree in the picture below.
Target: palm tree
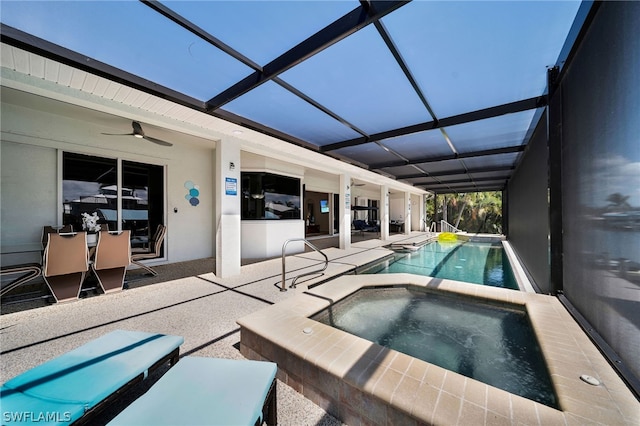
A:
(474, 211)
(618, 202)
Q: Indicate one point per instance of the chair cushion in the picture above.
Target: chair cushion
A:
(199, 391)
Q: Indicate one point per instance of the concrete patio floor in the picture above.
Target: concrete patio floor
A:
(186, 300)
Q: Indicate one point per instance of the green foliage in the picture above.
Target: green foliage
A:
(477, 212)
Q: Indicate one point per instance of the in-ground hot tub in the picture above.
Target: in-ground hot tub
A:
(485, 341)
(359, 381)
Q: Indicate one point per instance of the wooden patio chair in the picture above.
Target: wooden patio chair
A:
(65, 264)
(111, 258)
(152, 252)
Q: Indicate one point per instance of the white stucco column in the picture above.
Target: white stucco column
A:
(227, 208)
(417, 210)
(384, 212)
(423, 212)
(344, 212)
(407, 213)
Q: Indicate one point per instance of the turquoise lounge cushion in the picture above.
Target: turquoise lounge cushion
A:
(204, 391)
(78, 380)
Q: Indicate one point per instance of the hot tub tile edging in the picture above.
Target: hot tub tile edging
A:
(363, 385)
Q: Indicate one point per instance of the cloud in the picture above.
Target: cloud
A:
(609, 175)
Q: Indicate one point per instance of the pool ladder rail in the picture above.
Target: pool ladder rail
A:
(293, 282)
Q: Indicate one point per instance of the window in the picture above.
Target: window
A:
(90, 185)
(269, 196)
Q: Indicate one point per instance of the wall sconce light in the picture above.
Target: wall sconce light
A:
(232, 165)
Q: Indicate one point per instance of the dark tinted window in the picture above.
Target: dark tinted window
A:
(270, 196)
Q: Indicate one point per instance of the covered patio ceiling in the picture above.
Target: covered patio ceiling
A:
(441, 95)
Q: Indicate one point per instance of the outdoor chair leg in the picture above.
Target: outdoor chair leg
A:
(272, 410)
(147, 268)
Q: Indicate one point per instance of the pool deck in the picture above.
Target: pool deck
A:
(204, 309)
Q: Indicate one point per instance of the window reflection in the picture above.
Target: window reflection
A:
(135, 202)
(269, 196)
(90, 186)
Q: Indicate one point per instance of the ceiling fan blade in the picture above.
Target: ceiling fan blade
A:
(137, 128)
(139, 133)
(158, 141)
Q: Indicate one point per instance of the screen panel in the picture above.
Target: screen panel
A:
(472, 49)
(430, 143)
(601, 179)
(368, 153)
(130, 36)
(357, 78)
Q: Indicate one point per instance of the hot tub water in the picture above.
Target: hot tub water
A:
(492, 344)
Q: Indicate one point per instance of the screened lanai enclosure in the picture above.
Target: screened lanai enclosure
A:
(444, 95)
(536, 99)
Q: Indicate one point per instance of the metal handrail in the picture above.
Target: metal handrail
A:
(447, 227)
(293, 283)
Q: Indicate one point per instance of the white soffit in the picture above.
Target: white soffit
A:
(34, 74)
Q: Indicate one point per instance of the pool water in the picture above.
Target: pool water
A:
(473, 262)
(491, 344)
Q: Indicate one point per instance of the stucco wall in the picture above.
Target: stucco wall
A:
(31, 193)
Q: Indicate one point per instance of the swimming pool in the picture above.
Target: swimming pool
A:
(486, 342)
(474, 262)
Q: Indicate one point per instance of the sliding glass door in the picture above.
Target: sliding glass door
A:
(90, 185)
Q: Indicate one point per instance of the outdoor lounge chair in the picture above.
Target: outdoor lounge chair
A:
(152, 252)
(208, 391)
(112, 256)
(362, 226)
(79, 384)
(65, 264)
(23, 273)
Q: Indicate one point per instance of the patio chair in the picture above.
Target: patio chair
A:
(208, 391)
(78, 385)
(363, 226)
(65, 264)
(47, 229)
(24, 272)
(153, 251)
(111, 258)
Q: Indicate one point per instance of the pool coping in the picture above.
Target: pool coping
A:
(518, 270)
(361, 382)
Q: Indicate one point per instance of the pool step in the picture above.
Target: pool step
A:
(408, 246)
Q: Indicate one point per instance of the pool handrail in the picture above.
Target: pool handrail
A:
(293, 283)
(447, 227)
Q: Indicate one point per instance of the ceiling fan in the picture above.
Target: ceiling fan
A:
(139, 133)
